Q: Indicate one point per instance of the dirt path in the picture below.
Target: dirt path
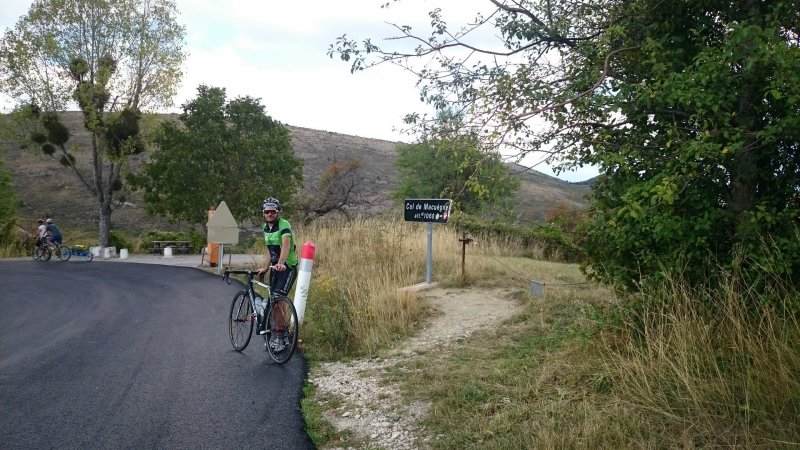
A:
(374, 410)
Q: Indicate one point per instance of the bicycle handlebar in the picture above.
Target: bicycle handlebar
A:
(227, 272)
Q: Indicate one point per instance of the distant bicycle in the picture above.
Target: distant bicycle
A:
(41, 251)
(274, 317)
(44, 250)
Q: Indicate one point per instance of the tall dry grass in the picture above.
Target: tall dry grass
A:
(356, 304)
(713, 367)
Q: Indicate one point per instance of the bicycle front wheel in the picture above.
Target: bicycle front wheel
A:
(241, 321)
(63, 253)
(41, 253)
(281, 337)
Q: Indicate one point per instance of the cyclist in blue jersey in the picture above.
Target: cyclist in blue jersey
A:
(53, 234)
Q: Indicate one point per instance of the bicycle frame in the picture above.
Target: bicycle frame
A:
(276, 322)
(251, 291)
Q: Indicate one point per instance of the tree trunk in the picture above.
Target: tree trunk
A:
(105, 220)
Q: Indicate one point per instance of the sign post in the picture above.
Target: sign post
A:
(429, 211)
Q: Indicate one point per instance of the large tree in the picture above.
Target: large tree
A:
(454, 167)
(114, 60)
(219, 150)
(689, 109)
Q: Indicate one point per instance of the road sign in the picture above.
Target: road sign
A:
(222, 227)
(436, 210)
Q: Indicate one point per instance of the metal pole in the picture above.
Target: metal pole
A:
(219, 262)
(430, 251)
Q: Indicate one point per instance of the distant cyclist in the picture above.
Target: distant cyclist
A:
(53, 234)
(41, 232)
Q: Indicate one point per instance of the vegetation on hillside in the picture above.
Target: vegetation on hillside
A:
(8, 203)
(114, 59)
(341, 188)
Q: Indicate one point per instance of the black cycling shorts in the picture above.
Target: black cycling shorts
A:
(281, 282)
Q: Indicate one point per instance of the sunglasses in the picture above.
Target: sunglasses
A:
(270, 211)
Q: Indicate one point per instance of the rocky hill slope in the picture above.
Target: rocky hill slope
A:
(47, 189)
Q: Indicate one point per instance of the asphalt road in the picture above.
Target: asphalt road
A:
(111, 355)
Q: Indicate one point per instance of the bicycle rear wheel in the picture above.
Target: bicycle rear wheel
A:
(241, 321)
(281, 337)
(63, 252)
(88, 255)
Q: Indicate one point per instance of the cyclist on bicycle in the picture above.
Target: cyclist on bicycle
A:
(41, 232)
(280, 252)
(53, 234)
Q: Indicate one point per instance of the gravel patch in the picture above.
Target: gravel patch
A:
(372, 409)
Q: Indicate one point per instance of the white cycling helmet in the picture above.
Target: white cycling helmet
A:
(49, 221)
(272, 203)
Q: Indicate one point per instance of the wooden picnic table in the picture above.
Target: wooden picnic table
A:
(177, 246)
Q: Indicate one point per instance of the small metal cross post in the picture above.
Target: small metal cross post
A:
(464, 241)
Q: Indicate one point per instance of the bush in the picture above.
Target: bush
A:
(557, 244)
(119, 240)
(329, 317)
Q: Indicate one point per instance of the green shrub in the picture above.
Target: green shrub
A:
(328, 319)
(197, 239)
(556, 243)
(119, 240)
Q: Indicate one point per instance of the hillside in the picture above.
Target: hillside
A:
(47, 189)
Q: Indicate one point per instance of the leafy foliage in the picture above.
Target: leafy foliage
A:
(220, 150)
(555, 243)
(689, 109)
(707, 162)
(454, 167)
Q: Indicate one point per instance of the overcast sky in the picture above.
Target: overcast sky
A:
(276, 51)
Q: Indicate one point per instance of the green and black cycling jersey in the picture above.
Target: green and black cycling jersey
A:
(272, 238)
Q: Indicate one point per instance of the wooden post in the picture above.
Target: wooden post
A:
(464, 241)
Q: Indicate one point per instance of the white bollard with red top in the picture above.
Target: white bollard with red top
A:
(303, 278)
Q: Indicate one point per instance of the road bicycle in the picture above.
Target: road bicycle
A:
(272, 315)
(41, 251)
(44, 250)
